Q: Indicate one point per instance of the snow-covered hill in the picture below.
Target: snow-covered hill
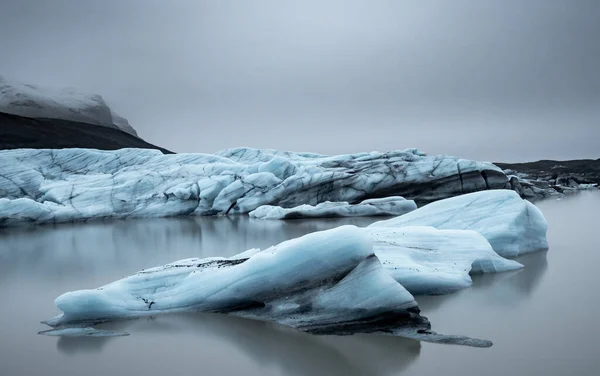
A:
(58, 103)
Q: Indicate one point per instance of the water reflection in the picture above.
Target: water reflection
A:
(271, 345)
(78, 345)
(75, 250)
(497, 289)
(521, 282)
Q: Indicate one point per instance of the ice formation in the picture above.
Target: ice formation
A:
(58, 103)
(391, 206)
(324, 282)
(513, 226)
(41, 186)
(430, 261)
(339, 281)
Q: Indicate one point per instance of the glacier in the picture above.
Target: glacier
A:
(64, 185)
(327, 282)
(513, 226)
(389, 206)
(35, 101)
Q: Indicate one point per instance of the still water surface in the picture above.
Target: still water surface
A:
(543, 319)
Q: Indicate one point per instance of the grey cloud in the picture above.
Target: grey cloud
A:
(494, 80)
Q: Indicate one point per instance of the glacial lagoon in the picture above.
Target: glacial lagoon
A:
(542, 319)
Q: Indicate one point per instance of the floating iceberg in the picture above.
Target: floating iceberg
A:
(328, 282)
(40, 186)
(58, 103)
(429, 261)
(512, 225)
(391, 206)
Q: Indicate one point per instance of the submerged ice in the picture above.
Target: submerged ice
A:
(41, 186)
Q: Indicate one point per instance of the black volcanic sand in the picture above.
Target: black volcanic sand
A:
(21, 132)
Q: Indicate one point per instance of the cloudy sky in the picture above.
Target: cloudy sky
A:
(486, 79)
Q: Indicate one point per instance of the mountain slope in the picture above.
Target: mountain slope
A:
(24, 132)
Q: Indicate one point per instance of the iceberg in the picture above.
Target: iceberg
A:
(513, 226)
(59, 103)
(64, 185)
(327, 282)
(428, 261)
(390, 206)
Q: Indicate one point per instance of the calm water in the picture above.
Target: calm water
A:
(542, 319)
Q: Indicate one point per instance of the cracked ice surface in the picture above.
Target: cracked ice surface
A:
(40, 186)
(391, 206)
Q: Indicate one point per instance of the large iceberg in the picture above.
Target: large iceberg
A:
(390, 206)
(58, 103)
(513, 226)
(41, 186)
(326, 282)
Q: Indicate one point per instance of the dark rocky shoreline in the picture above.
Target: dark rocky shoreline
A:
(550, 178)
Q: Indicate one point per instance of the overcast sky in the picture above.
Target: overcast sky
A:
(485, 79)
